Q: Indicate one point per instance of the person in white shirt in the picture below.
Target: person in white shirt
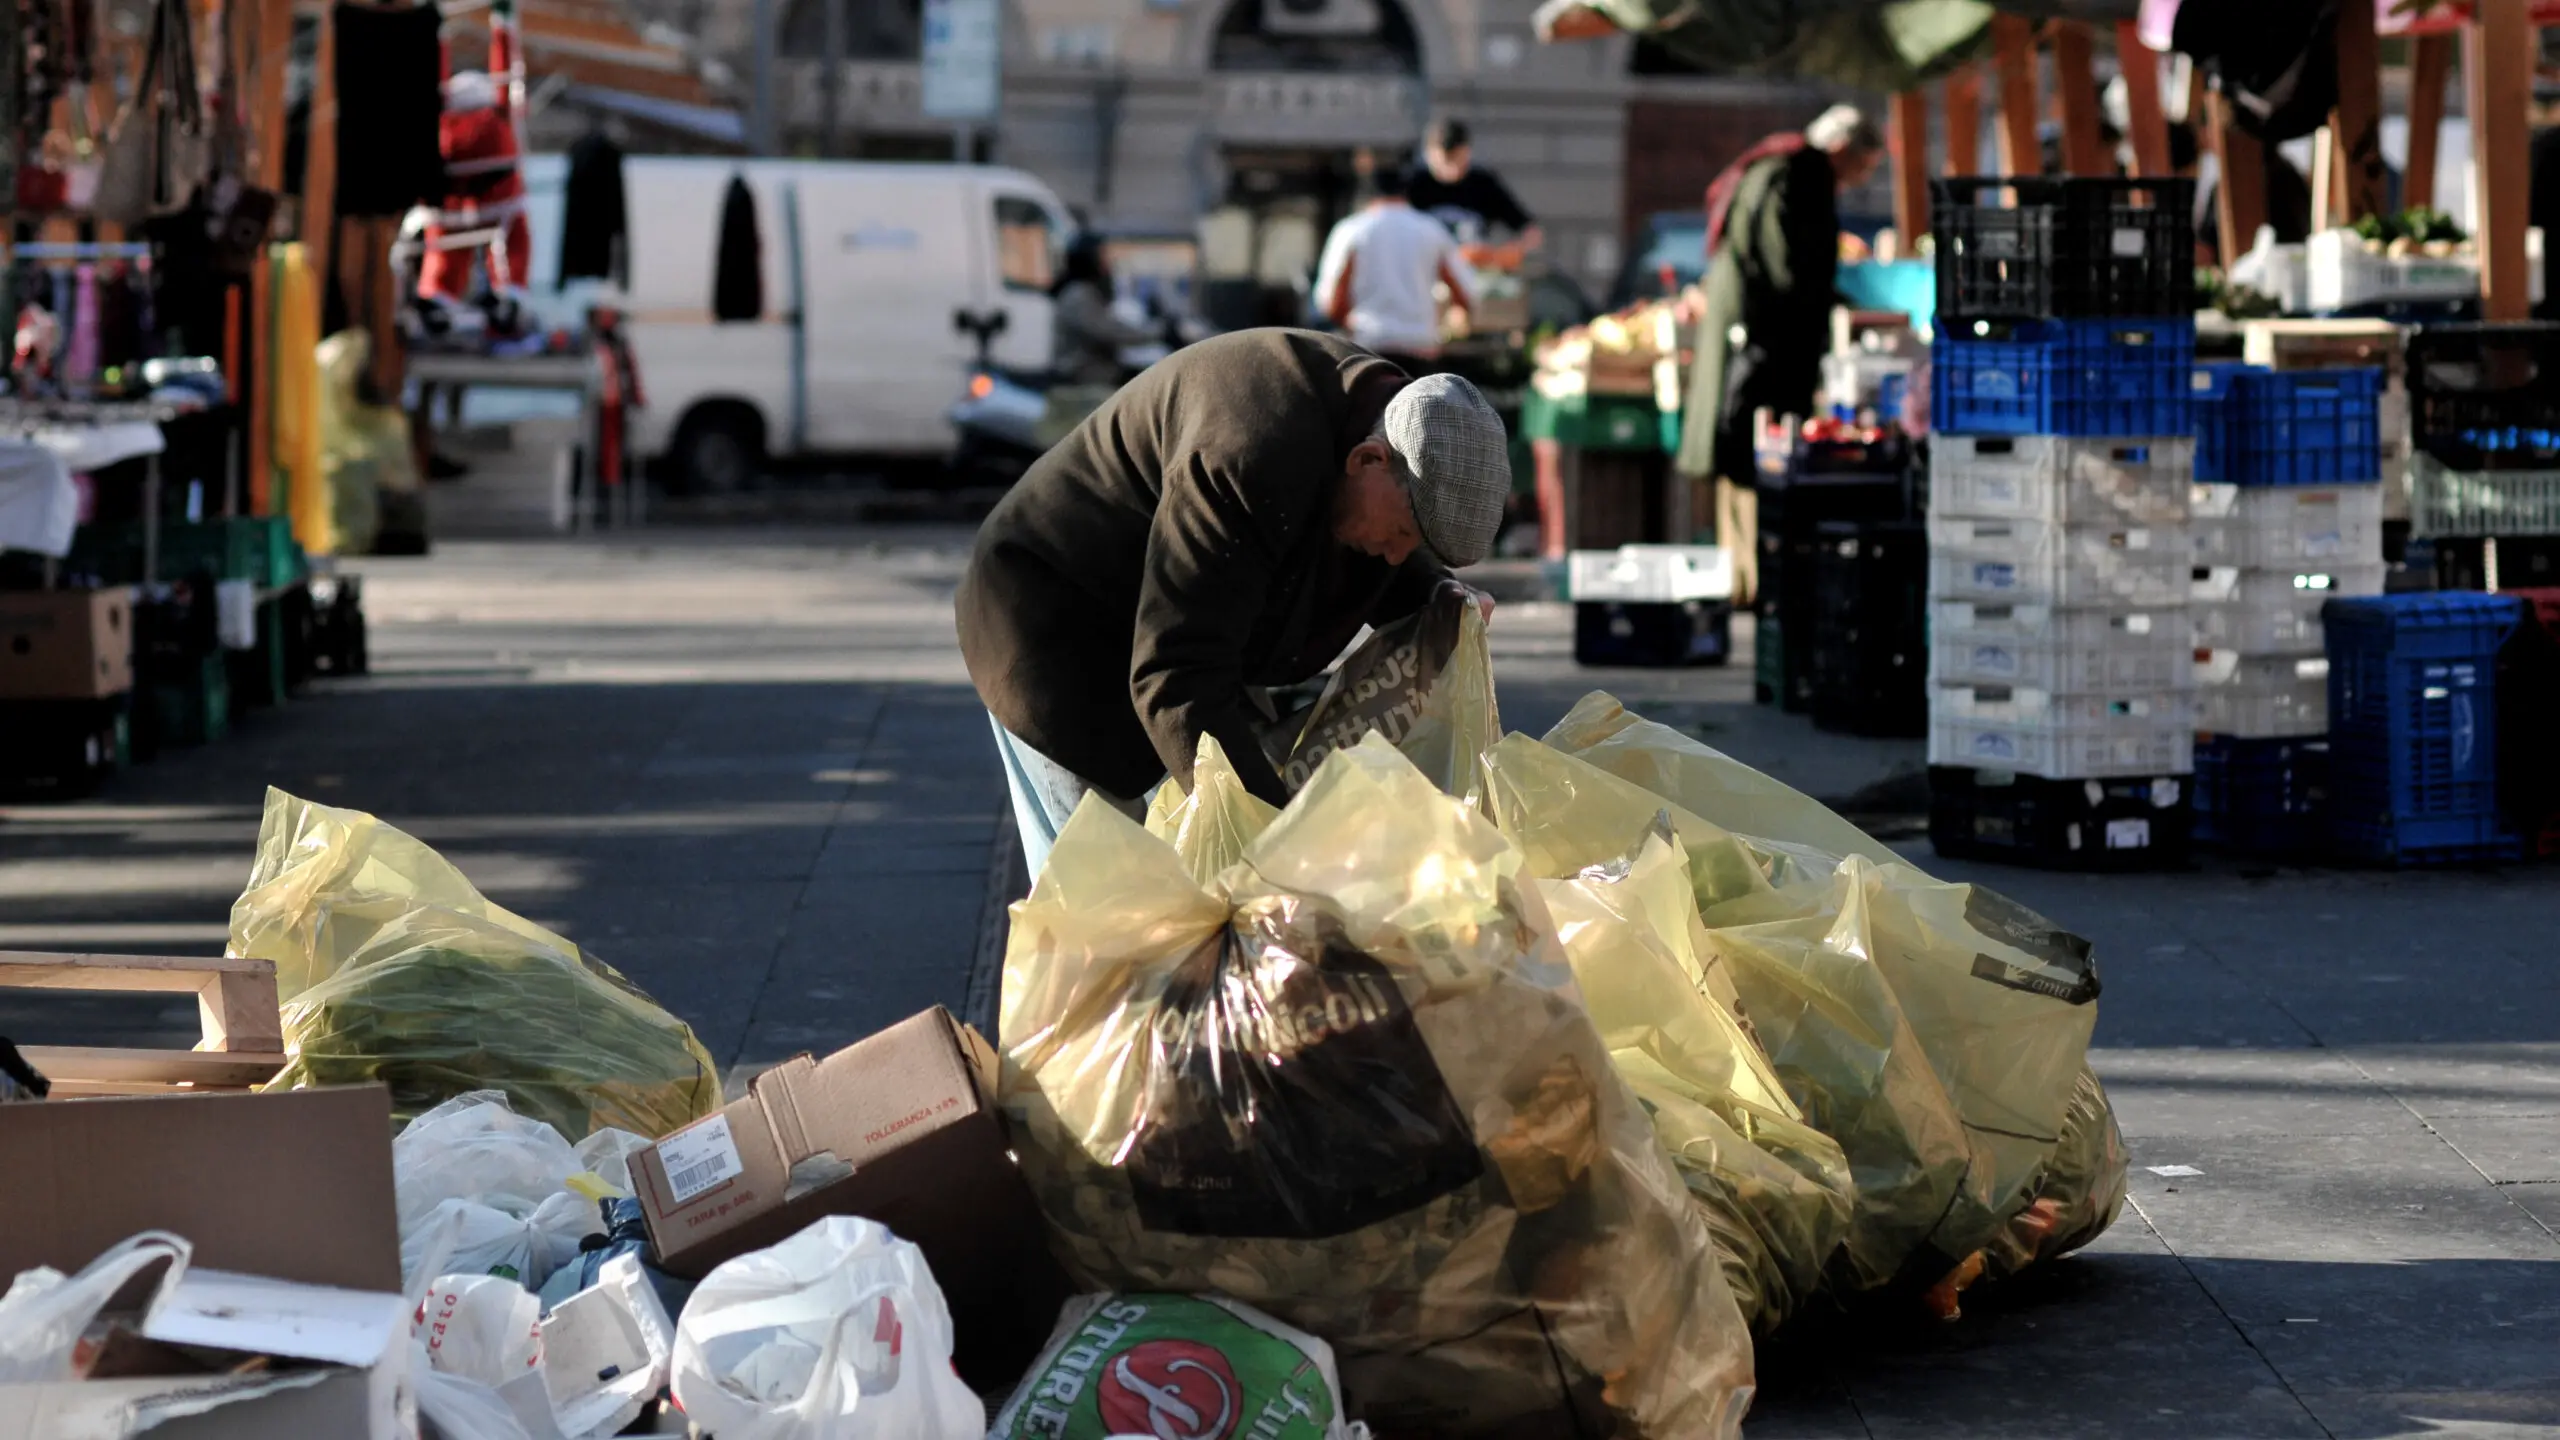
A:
(1378, 271)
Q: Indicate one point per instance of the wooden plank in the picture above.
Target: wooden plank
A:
(2013, 61)
(2075, 101)
(319, 233)
(1964, 122)
(240, 1013)
(2358, 118)
(2430, 63)
(1910, 137)
(171, 974)
(2498, 63)
(2149, 123)
(2328, 191)
(206, 1069)
(2240, 200)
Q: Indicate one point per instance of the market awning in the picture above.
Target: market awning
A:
(704, 122)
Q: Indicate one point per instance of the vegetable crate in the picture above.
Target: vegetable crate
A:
(242, 1042)
(2273, 526)
(2343, 276)
(2127, 481)
(2287, 427)
(2262, 797)
(2446, 501)
(2272, 611)
(2486, 397)
(2067, 650)
(2112, 735)
(2261, 696)
(1870, 654)
(2066, 247)
(1791, 516)
(2134, 823)
(2413, 726)
(2063, 377)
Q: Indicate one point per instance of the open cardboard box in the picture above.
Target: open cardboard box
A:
(287, 1201)
(900, 1128)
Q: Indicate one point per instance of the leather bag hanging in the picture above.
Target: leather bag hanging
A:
(158, 151)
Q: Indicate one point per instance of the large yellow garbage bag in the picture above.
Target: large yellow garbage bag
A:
(365, 449)
(1425, 682)
(1357, 1090)
(1210, 826)
(393, 968)
(2080, 1191)
(1775, 1191)
(294, 408)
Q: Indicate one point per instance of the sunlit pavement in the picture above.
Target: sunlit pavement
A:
(746, 769)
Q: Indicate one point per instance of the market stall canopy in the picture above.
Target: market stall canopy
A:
(595, 46)
(1890, 46)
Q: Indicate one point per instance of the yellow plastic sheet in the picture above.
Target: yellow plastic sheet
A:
(1425, 682)
(1775, 1191)
(1209, 827)
(1445, 1179)
(393, 968)
(364, 449)
(295, 407)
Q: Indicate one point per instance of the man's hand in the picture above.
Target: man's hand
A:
(1484, 603)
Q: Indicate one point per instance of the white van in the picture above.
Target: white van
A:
(866, 268)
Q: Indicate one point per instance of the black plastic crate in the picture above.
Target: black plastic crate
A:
(1870, 653)
(2486, 397)
(2068, 248)
(1791, 518)
(1663, 633)
(2491, 562)
(2262, 797)
(62, 749)
(2129, 824)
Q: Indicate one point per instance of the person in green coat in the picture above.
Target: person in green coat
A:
(1773, 247)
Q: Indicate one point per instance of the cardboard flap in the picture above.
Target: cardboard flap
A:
(774, 1092)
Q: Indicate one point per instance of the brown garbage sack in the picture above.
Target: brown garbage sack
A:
(1425, 682)
(2080, 1192)
(1355, 1088)
(392, 967)
(1210, 826)
(1776, 1192)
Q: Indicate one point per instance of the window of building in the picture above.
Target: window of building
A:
(1028, 244)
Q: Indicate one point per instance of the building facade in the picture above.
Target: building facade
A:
(1249, 122)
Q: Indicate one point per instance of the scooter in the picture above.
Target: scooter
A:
(1007, 418)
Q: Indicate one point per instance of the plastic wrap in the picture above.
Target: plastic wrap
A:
(393, 968)
(1210, 826)
(1425, 682)
(1775, 1191)
(365, 449)
(2080, 1191)
(1446, 1179)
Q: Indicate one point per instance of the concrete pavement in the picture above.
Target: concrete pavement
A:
(747, 770)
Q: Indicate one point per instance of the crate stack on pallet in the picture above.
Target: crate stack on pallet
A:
(2059, 555)
(1829, 493)
(2288, 511)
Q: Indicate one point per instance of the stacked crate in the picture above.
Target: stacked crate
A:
(2288, 514)
(1805, 484)
(2060, 473)
(2484, 465)
(2414, 743)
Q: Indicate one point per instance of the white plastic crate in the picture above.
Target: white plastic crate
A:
(1650, 574)
(2061, 737)
(2285, 524)
(2037, 562)
(2261, 697)
(2073, 651)
(2102, 481)
(2444, 501)
(2271, 611)
(2343, 275)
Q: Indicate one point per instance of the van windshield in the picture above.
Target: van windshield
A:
(1029, 244)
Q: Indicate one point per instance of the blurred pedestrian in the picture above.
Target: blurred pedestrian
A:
(1773, 248)
(1380, 273)
(1471, 200)
(1226, 522)
(1087, 336)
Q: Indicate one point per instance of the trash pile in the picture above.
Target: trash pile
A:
(1495, 1086)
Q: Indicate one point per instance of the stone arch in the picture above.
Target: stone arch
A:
(1434, 46)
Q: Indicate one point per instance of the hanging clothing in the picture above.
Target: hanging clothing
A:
(737, 275)
(293, 409)
(483, 192)
(390, 77)
(593, 223)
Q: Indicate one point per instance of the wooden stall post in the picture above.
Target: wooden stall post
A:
(2013, 60)
(1911, 168)
(1964, 122)
(2357, 122)
(273, 49)
(2430, 63)
(2149, 123)
(2075, 101)
(2241, 197)
(2498, 67)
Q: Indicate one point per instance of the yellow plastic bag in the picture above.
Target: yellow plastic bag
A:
(1209, 827)
(364, 449)
(393, 968)
(2080, 1191)
(1425, 682)
(1775, 1191)
(1358, 1090)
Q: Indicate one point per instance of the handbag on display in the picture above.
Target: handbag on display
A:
(158, 151)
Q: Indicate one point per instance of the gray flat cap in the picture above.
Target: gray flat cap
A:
(1454, 449)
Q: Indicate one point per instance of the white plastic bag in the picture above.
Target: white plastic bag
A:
(508, 1176)
(45, 1311)
(607, 1153)
(838, 1333)
(482, 1327)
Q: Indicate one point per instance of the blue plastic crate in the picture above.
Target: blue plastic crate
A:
(2413, 726)
(2256, 426)
(2064, 377)
(2262, 797)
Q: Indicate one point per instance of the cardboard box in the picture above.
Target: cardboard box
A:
(65, 644)
(292, 1187)
(900, 1128)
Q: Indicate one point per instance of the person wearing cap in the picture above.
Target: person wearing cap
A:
(1226, 522)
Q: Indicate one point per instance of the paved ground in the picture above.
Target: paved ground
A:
(748, 771)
